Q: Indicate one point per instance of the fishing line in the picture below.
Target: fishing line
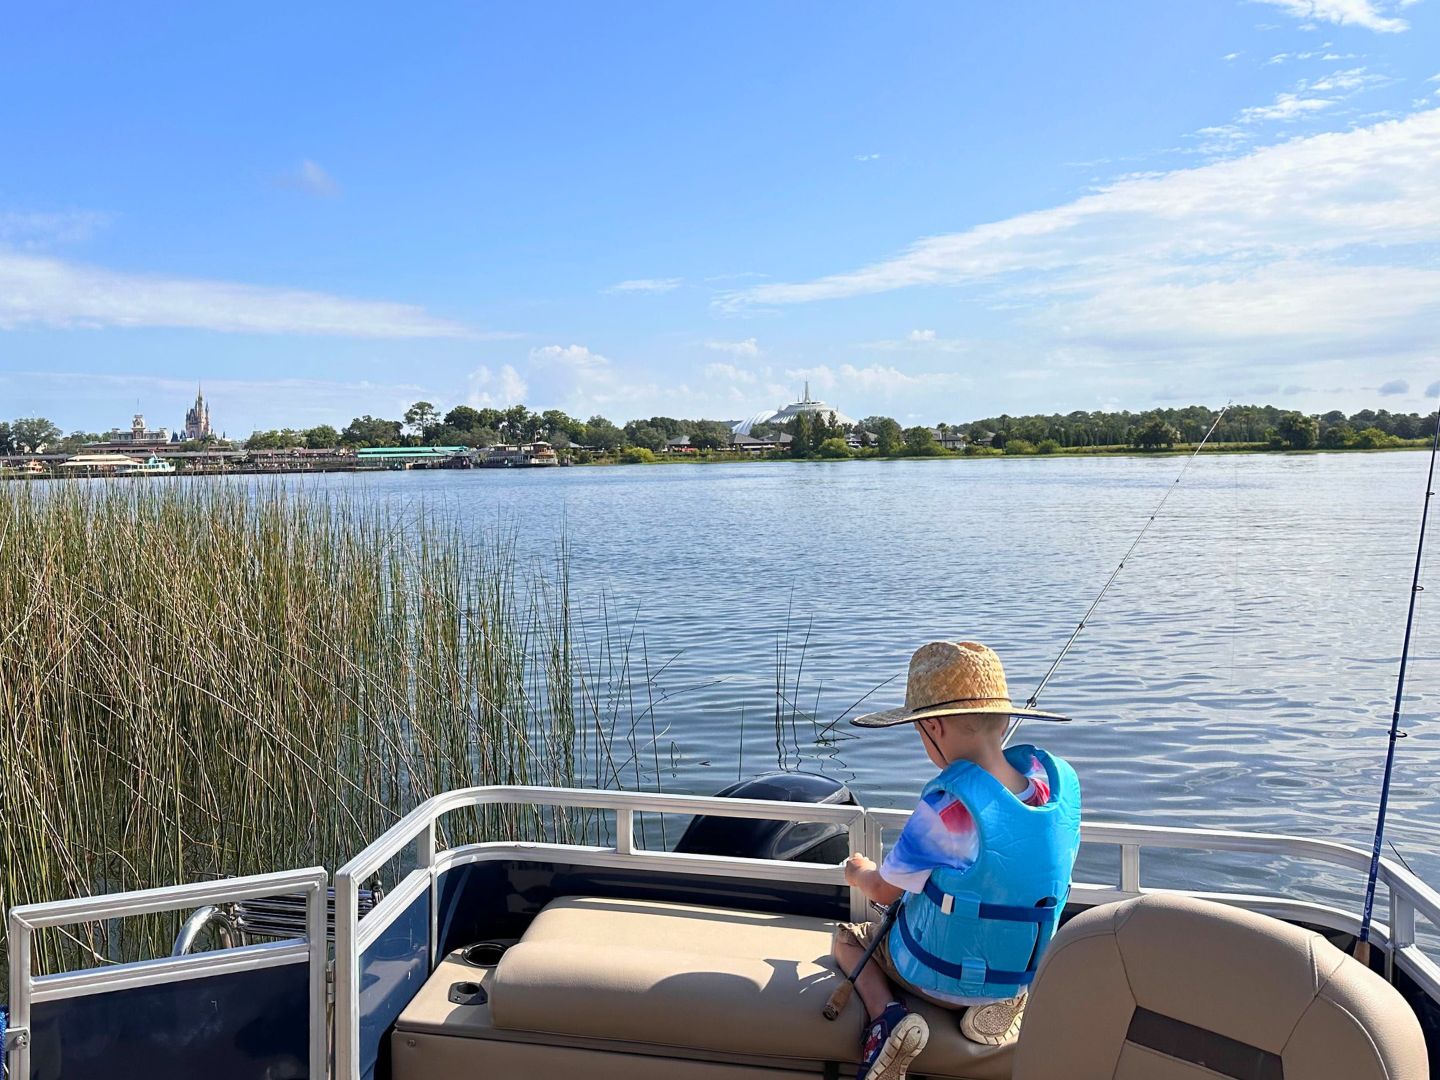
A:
(1362, 943)
(1035, 697)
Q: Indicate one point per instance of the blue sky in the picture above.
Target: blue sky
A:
(935, 211)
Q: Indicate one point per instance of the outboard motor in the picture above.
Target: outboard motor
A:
(793, 841)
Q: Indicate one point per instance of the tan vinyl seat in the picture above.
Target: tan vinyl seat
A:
(1172, 988)
(696, 982)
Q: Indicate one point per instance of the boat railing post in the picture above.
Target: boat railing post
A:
(1402, 927)
(1130, 868)
(624, 830)
(347, 988)
(17, 1041)
(425, 845)
(317, 899)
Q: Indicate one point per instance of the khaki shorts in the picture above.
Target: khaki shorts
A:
(860, 935)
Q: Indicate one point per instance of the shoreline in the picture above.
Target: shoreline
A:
(732, 459)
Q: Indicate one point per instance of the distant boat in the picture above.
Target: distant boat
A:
(152, 466)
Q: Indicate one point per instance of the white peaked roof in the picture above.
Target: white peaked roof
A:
(807, 404)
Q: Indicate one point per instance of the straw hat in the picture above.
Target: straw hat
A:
(953, 678)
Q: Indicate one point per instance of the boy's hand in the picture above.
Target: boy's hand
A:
(856, 865)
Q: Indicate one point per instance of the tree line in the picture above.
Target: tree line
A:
(1251, 424)
(812, 435)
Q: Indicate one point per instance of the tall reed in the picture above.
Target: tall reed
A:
(203, 679)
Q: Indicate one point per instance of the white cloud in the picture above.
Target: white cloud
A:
(1284, 107)
(1350, 79)
(1365, 13)
(646, 285)
(1231, 56)
(749, 347)
(1320, 194)
(41, 291)
(875, 380)
(1315, 247)
(496, 389)
(731, 373)
(920, 341)
(1394, 387)
(310, 177)
(35, 230)
(867, 157)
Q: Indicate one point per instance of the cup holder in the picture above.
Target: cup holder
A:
(484, 953)
(468, 993)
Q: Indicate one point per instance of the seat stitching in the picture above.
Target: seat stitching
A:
(1315, 982)
(1355, 1020)
(1115, 938)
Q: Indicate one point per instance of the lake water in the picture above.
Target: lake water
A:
(1239, 674)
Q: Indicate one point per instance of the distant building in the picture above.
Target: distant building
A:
(138, 435)
(197, 419)
(518, 455)
(784, 415)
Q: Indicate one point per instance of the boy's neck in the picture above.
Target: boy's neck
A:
(990, 756)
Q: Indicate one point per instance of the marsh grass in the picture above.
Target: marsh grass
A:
(204, 680)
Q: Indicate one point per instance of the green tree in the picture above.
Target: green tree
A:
(421, 417)
(70, 444)
(638, 455)
(322, 437)
(1016, 446)
(7, 439)
(32, 434)
(369, 430)
(1046, 446)
(888, 436)
(645, 436)
(602, 434)
(834, 448)
(801, 435)
(1372, 438)
(464, 418)
(1154, 434)
(920, 442)
(1338, 437)
(1299, 431)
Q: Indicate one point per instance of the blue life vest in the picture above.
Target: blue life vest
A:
(980, 932)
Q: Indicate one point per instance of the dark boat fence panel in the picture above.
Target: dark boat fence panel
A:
(231, 1012)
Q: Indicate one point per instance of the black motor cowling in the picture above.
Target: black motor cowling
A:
(794, 841)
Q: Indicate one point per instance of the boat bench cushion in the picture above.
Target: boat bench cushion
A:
(1176, 987)
(709, 980)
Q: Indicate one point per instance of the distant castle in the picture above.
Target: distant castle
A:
(197, 419)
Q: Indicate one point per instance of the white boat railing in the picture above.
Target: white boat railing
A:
(1409, 896)
(28, 989)
(418, 827)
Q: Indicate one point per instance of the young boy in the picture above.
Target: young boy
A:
(981, 869)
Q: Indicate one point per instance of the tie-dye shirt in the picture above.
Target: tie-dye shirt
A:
(941, 832)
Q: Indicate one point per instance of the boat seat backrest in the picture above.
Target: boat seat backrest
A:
(1172, 988)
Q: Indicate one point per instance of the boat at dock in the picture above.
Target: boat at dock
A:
(152, 466)
(602, 957)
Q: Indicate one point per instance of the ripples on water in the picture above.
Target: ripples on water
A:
(1238, 675)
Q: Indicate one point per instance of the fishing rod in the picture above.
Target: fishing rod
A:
(1362, 943)
(1085, 619)
(842, 993)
